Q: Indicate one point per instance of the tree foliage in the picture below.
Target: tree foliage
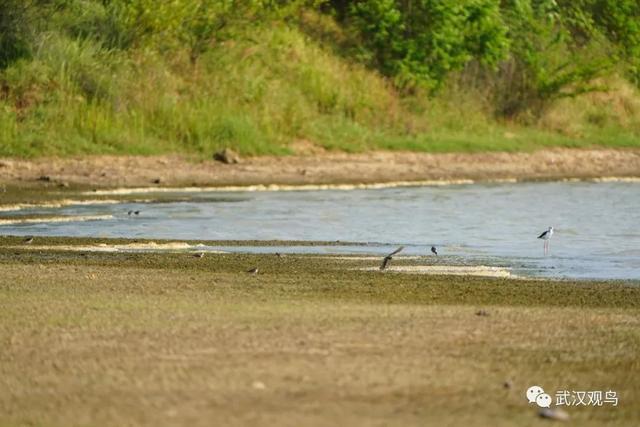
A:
(532, 51)
(19, 21)
(421, 41)
(529, 51)
(547, 61)
(616, 20)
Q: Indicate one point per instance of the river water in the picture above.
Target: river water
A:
(597, 225)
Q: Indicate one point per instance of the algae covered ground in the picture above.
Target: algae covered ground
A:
(170, 339)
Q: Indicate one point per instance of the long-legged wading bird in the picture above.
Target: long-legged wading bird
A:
(546, 236)
(389, 257)
(434, 250)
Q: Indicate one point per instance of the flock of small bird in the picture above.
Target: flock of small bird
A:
(546, 235)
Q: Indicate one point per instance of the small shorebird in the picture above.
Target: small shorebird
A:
(253, 270)
(136, 212)
(199, 255)
(433, 250)
(546, 236)
(389, 257)
(28, 240)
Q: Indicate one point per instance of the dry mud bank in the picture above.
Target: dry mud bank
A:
(321, 168)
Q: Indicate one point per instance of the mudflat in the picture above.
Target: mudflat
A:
(172, 339)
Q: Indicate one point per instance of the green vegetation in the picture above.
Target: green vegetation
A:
(122, 338)
(194, 76)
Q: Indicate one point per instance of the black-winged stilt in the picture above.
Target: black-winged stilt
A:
(546, 236)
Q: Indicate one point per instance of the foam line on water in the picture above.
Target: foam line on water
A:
(278, 187)
(45, 220)
(344, 187)
(57, 204)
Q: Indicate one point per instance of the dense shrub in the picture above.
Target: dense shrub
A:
(533, 51)
(421, 42)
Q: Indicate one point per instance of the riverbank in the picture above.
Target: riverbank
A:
(156, 338)
(319, 167)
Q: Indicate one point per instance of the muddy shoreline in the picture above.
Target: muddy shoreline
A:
(306, 339)
(319, 169)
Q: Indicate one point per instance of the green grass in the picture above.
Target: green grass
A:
(259, 93)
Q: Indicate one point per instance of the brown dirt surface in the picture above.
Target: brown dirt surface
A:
(321, 168)
(168, 339)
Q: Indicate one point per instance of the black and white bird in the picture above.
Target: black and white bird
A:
(389, 257)
(434, 250)
(253, 270)
(28, 240)
(199, 255)
(546, 236)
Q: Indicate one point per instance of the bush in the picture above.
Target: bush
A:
(546, 61)
(421, 42)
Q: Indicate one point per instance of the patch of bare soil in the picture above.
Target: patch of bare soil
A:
(321, 168)
(146, 345)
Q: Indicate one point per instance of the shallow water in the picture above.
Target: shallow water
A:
(597, 224)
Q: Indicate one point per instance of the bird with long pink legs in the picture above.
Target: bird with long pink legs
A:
(546, 236)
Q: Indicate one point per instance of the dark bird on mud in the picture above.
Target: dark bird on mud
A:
(389, 257)
(129, 213)
(434, 250)
(482, 313)
(28, 240)
(136, 212)
(253, 270)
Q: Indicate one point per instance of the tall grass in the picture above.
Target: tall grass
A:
(259, 93)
